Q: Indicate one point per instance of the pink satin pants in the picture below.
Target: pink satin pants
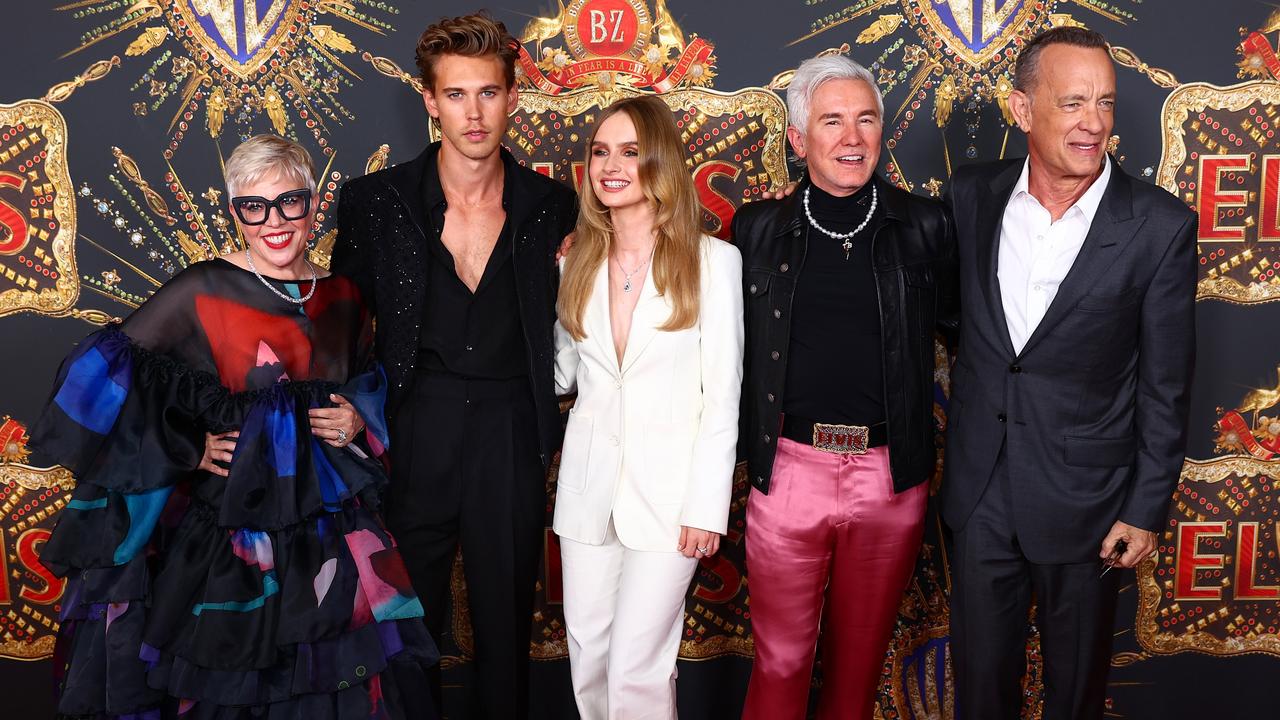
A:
(831, 543)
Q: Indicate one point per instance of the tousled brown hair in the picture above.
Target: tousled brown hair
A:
(667, 185)
(470, 36)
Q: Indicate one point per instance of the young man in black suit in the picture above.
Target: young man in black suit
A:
(455, 252)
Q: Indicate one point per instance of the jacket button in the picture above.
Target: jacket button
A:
(766, 439)
(784, 267)
(1002, 417)
(1015, 369)
(769, 397)
(795, 233)
(752, 289)
(775, 354)
(777, 313)
(613, 440)
(759, 480)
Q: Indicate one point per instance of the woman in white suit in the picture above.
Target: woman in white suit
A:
(650, 334)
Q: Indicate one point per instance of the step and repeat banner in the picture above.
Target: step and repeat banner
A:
(116, 115)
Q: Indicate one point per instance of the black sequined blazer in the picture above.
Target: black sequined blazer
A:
(382, 246)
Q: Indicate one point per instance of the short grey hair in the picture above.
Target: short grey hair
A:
(812, 73)
(264, 156)
(1026, 71)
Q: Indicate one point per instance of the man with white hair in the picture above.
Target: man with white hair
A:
(844, 282)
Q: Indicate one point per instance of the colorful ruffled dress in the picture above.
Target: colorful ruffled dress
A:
(274, 592)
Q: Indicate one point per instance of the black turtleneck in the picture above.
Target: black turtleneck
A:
(834, 368)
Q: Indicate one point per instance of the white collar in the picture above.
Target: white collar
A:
(1088, 202)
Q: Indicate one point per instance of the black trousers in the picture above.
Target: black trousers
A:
(992, 587)
(466, 470)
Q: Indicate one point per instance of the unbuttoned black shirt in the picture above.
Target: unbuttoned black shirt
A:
(835, 368)
(471, 335)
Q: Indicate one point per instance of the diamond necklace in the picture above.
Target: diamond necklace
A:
(626, 284)
(846, 237)
(315, 280)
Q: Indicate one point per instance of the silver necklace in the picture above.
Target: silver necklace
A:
(315, 280)
(846, 237)
(626, 283)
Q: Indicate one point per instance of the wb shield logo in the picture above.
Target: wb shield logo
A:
(239, 34)
(976, 30)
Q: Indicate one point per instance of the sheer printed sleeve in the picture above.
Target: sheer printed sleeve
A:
(124, 421)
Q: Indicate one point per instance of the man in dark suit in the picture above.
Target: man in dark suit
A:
(455, 253)
(1070, 392)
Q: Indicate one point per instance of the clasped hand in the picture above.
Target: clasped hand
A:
(335, 425)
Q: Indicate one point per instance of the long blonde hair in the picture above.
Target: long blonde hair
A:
(677, 220)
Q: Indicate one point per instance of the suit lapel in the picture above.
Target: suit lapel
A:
(598, 319)
(997, 197)
(411, 250)
(651, 311)
(1113, 226)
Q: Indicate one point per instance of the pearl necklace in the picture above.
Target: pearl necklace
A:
(846, 237)
(315, 280)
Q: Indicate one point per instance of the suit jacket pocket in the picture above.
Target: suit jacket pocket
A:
(1107, 302)
(575, 457)
(668, 453)
(1100, 452)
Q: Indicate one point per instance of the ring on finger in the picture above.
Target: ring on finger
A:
(342, 436)
(702, 550)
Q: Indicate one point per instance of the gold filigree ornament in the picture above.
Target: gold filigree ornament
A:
(95, 71)
(944, 99)
(149, 40)
(226, 51)
(129, 167)
(883, 25)
(1130, 59)
(388, 67)
(1221, 137)
(378, 159)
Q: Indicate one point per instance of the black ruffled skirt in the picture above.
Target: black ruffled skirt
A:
(272, 593)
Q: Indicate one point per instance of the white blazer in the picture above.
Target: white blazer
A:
(652, 444)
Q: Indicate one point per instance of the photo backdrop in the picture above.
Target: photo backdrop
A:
(115, 116)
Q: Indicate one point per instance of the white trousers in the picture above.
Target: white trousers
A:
(623, 612)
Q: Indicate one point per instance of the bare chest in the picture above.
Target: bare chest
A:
(470, 234)
(622, 305)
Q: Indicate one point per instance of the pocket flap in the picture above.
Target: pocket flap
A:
(758, 283)
(1100, 452)
(1110, 301)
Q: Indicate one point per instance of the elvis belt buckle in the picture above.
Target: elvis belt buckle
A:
(842, 439)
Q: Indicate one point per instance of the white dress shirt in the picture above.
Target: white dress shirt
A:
(1036, 253)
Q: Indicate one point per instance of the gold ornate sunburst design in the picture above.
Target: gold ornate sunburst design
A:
(946, 61)
(37, 211)
(1216, 157)
(977, 35)
(229, 62)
